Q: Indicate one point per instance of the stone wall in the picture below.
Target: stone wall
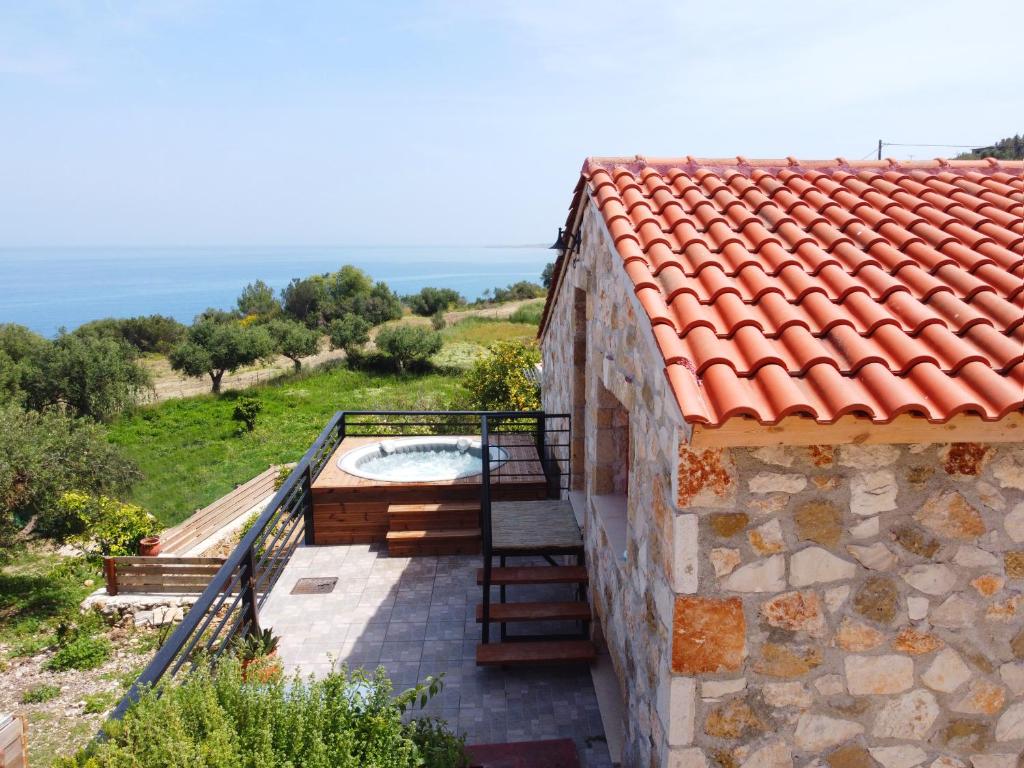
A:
(856, 606)
(631, 587)
(826, 607)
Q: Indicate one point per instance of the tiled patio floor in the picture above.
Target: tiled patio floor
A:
(415, 617)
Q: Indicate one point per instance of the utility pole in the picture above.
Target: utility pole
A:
(879, 149)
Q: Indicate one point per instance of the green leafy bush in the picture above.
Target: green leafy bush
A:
(498, 381)
(437, 321)
(42, 456)
(529, 314)
(438, 746)
(257, 298)
(98, 703)
(320, 299)
(405, 345)
(294, 340)
(247, 409)
(108, 526)
(430, 301)
(82, 652)
(216, 718)
(524, 289)
(40, 694)
(147, 333)
(349, 333)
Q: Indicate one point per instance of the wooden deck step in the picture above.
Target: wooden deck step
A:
(567, 611)
(445, 541)
(442, 507)
(541, 652)
(536, 574)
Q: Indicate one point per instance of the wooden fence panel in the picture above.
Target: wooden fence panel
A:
(159, 575)
(13, 742)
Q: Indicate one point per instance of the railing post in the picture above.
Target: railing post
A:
(485, 524)
(248, 586)
(309, 533)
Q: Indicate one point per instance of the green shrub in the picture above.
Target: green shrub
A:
(247, 409)
(430, 301)
(110, 527)
(215, 718)
(529, 314)
(147, 333)
(83, 652)
(349, 333)
(405, 345)
(257, 298)
(294, 340)
(498, 381)
(438, 746)
(40, 694)
(437, 321)
(98, 703)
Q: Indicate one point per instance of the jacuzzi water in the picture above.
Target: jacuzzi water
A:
(420, 459)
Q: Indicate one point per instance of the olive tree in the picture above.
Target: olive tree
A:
(294, 340)
(406, 344)
(214, 348)
(349, 333)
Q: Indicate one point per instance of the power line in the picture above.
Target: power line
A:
(955, 146)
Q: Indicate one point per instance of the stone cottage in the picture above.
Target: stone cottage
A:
(798, 401)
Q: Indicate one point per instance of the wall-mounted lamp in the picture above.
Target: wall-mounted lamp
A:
(566, 241)
(559, 244)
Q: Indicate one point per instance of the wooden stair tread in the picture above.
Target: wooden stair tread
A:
(563, 611)
(451, 533)
(536, 574)
(442, 507)
(535, 652)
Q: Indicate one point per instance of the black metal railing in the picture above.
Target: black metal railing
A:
(534, 448)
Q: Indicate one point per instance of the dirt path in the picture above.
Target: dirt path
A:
(168, 384)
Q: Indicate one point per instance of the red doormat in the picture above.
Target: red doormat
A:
(556, 753)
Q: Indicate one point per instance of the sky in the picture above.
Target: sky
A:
(440, 122)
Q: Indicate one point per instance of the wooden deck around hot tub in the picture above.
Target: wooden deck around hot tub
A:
(353, 510)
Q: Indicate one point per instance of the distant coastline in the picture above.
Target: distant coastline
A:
(47, 288)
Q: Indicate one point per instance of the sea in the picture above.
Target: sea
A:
(48, 289)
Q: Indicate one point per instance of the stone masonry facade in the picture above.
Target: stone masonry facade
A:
(828, 606)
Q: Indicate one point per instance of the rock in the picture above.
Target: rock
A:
(762, 576)
(916, 643)
(835, 597)
(868, 675)
(774, 755)
(728, 524)
(1012, 673)
(946, 762)
(706, 478)
(865, 530)
(988, 584)
(734, 720)
(776, 482)
(919, 474)
(770, 505)
(767, 539)
(708, 636)
(819, 521)
(917, 607)
(778, 455)
(947, 672)
(964, 459)
(868, 456)
(954, 613)
(715, 689)
(814, 565)
(1009, 470)
(876, 557)
(796, 612)
(1017, 645)
(873, 492)
(995, 761)
(990, 496)
(950, 515)
(786, 662)
(815, 733)
(968, 556)
(1005, 611)
(850, 756)
(909, 716)
(856, 636)
(724, 560)
(930, 578)
(821, 455)
(786, 695)
(687, 757)
(1010, 726)
(1014, 523)
(1013, 562)
(904, 756)
(915, 540)
(876, 599)
(830, 685)
(982, 698)
(965, 735)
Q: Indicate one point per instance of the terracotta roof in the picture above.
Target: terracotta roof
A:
(822, 289)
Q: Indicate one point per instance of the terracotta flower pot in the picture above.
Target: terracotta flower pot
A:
(149, 546)
(262, 669)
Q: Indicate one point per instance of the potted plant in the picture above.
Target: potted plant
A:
(149, 546)
(258, 655)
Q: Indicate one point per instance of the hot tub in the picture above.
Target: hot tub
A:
(420, 459)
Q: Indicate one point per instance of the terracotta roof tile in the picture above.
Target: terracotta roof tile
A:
(825, 288)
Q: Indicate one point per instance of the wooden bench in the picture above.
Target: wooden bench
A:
(159, 575)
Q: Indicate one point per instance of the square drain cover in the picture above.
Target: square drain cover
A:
(318, 586)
